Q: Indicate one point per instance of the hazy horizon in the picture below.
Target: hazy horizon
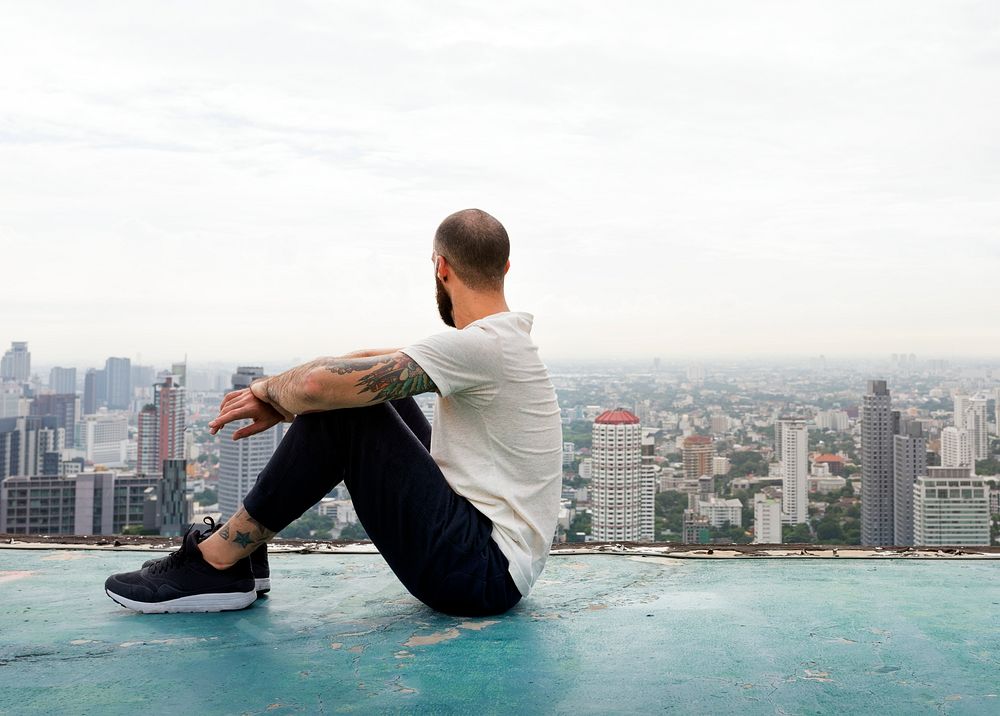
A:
(258, 183)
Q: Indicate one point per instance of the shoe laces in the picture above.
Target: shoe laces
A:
(178, 557)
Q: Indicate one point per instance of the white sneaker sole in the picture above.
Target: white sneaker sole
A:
(262, 585)
(224, 602)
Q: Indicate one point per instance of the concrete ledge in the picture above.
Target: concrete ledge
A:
(652, 549)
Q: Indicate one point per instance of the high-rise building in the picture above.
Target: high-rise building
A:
(172, 505)
(697, 452)
(148, 459)
(877, 431)
(617, 490)
(16, 363)
(766, 519)
(62, 381)
(30, 445)
(832, 420)
(955, 448)
(13, 404)
(169, 402)
(104, 439)
(119, 377)
(794, 471)
(180, 371)
(647, 518)
(951, 507)
(240, 461)
(65, 408)
(909, 457)
(970, 415)
(95, 391)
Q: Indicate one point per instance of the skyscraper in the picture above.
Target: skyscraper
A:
(647, 519)
(30, 445)
(970, 415)
(118, 372)
(148, 442)
(794, 471)
(877, 430)
(617, 486)
(955, 448)
(697, 452)
(95, 390)
(62, 381)
(169, 403)
(16, 363)
(66, 410)
(909, 457)
(240, 462)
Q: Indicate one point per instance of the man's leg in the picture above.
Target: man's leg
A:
(435, 541)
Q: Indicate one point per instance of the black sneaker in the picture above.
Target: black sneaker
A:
(258, 561)
(261, 569)
(184, 582)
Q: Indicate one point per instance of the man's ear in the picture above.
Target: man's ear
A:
(506, 268)
(443, 269)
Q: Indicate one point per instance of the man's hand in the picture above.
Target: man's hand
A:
(243, 405)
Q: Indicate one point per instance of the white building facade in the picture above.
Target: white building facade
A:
(617, 488)
(794, 471)
(956, 450)
(951, 507)
(766, 519)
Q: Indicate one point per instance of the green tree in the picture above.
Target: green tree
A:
(354, 532)
(581, 523)
(990, 466)
(829, 531)
(208, 496)
(669, 507)
(797, 534)
(310, 525)
(746, 463)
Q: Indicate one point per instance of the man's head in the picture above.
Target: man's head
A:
(471, 248)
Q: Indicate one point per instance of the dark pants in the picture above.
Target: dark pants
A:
(436, 542)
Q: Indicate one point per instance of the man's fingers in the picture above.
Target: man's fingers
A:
(230, 397)
(258, 426)
(238, 412)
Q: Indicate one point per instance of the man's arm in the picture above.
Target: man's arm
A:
(344, 382)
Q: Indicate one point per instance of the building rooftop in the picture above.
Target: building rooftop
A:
(618, 416)
(603, 632)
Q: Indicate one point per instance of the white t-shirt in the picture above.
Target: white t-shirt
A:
(497, 433)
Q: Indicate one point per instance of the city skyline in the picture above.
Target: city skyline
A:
(681, 177)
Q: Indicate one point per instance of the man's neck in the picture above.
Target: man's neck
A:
(477, 305)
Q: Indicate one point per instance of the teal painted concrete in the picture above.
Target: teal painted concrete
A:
(600, 634)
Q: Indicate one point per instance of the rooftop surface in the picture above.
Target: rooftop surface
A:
(601, 633)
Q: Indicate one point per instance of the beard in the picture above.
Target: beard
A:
(445, 308)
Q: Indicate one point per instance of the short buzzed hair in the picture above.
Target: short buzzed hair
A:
(476, 246)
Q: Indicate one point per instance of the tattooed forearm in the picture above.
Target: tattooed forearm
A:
(317, 385)
(395, 377)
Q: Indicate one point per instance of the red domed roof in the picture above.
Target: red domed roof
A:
(697, 440)
(618, 416)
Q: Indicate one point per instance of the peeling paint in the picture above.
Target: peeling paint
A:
(435, 638)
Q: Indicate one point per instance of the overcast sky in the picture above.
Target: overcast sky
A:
(255, 182)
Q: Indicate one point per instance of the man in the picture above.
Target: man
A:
(464, 516)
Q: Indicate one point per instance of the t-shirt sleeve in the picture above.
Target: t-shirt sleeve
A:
(463, 362)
